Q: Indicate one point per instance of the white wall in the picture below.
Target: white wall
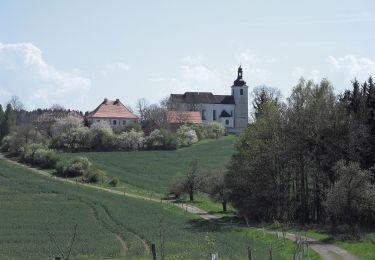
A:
(119, 121)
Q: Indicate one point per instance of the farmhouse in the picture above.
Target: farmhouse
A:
(229, 110)
(114, 112)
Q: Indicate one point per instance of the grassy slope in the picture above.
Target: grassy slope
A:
(149, 172)
(32, 206)
(364, 248)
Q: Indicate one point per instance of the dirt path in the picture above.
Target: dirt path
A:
(327, 251)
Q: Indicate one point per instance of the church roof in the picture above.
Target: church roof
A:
(202, 98)
(112, 109)
(178, 117)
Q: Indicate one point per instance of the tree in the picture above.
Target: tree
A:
(214, 184)
(2, 119)
(16, 104)
(141, 106)
(190, 183)
(9, 120)
(351, 197)
(262, 95)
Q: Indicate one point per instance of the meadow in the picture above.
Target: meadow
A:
(38, 215)
(151, 172)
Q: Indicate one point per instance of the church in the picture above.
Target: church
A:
(229, 110)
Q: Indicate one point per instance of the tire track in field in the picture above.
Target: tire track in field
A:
(101, 222)
(93, 206)
(323, 249)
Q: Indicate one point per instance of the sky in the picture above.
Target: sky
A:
(77, 52)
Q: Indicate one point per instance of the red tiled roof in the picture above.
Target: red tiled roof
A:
(112, 109)
(176, 117)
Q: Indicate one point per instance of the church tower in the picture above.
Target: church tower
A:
(241, 110)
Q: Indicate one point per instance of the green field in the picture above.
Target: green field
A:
(148, 172)
(37, 210)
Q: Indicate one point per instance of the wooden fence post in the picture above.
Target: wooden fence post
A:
(153, 251)
(249, 253)
(270, 252)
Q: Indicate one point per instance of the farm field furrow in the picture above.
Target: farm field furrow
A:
(34, 209)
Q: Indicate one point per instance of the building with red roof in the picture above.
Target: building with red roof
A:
(114, 112)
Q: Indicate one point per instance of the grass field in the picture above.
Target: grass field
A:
(150, 172)
(34, 208)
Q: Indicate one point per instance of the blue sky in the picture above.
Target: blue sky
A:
(75, 53)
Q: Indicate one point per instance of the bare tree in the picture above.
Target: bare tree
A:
(16, 103)
(141, 107)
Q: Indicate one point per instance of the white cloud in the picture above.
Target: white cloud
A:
(193, 60)
(246, 57)
(116, 66)
(352, 66)
(24, 72)
(313, 74)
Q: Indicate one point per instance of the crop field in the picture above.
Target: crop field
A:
(152, 171)
(38, 215)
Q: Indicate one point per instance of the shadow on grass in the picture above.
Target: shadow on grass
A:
(202, 225)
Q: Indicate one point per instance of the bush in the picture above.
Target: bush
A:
(186, 136)
(130, 140)
(169, 140)
(211, 130)
(102, 136)
(77, 166)
(114, 182)
(133, 126)
(215, 130)
(45, 158)
(29, 151)
(94, 176)
(161, 139)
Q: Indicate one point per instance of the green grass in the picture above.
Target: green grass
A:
(32, 207)
(145, 172)
(363, 248)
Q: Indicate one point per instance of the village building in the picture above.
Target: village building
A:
(113, 112)
(229, 110)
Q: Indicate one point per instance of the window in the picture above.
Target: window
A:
(214, 115)
(231, 113)
(226, 121)
(98, 120)
(114, 122)
(124, 122)
(204, 114)
(241, 92)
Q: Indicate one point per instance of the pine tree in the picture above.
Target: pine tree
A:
(9, 120)
(2, 119)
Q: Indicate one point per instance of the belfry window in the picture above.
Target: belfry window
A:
(241, 92)
(214, 115)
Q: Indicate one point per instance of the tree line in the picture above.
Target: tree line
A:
(308, 159)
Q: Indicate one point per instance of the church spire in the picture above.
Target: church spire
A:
(239, 81)
(239, 76)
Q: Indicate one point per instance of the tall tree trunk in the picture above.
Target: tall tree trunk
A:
(224, 203)
(191, 196)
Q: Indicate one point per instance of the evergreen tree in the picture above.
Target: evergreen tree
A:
(9, 120)
(2, 119)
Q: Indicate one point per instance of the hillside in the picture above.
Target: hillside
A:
(154, 170)
(36, 211)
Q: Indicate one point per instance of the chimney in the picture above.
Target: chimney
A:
(105, 100)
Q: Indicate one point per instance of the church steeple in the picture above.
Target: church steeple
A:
(239, 81)
(239, 76)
